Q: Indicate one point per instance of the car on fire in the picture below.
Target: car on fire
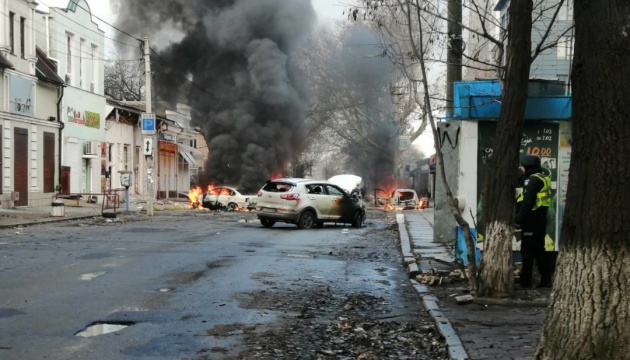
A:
(307, 203)
(227, 198)
(404, 198)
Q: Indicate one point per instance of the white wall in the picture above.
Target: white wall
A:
(467, 176)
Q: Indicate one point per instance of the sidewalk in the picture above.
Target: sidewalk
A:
(22, 216)
(505, 331)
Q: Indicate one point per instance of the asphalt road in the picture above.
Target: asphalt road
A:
(180, 282)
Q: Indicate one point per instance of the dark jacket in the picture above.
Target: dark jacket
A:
(532, 186)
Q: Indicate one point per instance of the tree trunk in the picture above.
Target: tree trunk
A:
(497, 279)
(589, 316)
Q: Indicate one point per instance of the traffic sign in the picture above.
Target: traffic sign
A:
(148, 124)
(147, 146)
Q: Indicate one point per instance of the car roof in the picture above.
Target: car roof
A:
(296, 181)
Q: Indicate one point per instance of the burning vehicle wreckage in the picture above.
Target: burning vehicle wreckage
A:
(399, 199)
(226, 198)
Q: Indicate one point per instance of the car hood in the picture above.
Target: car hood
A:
(346, 181)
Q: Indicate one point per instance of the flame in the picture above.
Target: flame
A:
(275, 176)
(193, 196)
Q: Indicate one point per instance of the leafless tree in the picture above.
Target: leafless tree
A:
(124, 79)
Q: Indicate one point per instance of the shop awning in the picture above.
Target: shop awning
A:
(189, 149)
(188, 158)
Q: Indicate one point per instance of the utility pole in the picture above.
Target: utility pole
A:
(150, 160)
(455, 50)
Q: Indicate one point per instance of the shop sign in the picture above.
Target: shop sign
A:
(86, 118)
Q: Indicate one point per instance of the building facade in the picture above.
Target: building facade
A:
(29, 113)
(554, 62)
(74, 41)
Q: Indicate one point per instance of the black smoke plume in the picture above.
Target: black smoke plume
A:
(232, 62)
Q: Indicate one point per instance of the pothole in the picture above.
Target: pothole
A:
(102, 328)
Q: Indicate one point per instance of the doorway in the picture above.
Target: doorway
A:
(20, 165)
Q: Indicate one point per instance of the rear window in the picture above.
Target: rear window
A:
(278, 187)
(406, 195)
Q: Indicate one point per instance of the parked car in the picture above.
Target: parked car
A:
(307, 203)
(227, 198)
(404, 198)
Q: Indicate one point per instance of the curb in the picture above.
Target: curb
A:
(454, 344)
(47, 220)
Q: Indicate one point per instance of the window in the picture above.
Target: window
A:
(566, 10)
(22, 35)
(81, 71)
(193, 143)
(126, 157)
(12, 32)
(69, 58)
(333, 191)
(564, 48)
(94, 84)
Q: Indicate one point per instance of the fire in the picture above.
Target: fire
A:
(193, 195)
(275, 176)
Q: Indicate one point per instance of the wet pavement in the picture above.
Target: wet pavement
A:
(506, 331)
(207, 285)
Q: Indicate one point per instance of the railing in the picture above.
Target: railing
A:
(111, 198)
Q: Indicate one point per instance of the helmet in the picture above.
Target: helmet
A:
(530, 161)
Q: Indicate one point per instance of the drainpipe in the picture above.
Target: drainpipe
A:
(62, 125)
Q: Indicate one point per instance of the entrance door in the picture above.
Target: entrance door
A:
(65, 180)
(20, 165)
(1, 160)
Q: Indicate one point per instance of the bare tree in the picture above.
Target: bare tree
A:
(588, 317)
(124, 79)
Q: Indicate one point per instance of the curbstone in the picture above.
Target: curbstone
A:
(454, 344)
(413, 270)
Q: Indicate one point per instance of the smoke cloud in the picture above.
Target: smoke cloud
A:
(252, 104)
(370, 75)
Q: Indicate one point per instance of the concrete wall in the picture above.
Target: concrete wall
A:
(450, 138)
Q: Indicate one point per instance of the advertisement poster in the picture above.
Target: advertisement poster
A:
(86, 118)
(564, 159)
(539, 138)
(20, 95)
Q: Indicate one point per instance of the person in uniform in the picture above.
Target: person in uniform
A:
(532, 206)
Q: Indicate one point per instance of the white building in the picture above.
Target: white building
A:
(75, 42)
(29, 129)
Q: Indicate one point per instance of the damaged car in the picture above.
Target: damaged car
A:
(404, 199)
(227, 198)
(307, 203)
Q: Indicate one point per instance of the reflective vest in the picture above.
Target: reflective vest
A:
(543, 198)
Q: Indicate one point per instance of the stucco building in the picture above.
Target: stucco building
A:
(74, 41)
(29, 111)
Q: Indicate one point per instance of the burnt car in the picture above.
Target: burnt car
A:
(227, 198)
(307, 203)
(404, 198)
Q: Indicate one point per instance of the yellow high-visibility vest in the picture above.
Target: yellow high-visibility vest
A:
(543, 198)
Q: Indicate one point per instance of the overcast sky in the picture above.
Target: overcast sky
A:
(327, 10)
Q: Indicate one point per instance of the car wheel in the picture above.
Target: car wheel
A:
(267, 223)
(232, 206)
(357, 219)
(307, 220)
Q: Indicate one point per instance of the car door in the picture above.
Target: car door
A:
(319, 199)
(337, 200)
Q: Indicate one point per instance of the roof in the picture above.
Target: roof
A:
(45, 69)
(5, 63)
(138, 107)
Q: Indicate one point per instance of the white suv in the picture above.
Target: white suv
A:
(307, 203)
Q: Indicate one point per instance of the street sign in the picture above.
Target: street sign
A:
(148, 124)
(147, 146)
(404, 142)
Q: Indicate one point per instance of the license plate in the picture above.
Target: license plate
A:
(269, 210)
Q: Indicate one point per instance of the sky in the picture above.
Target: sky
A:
(327, 10)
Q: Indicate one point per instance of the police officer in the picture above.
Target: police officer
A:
(532, 206)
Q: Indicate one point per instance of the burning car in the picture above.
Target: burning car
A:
(404, 199)
(227, 198)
